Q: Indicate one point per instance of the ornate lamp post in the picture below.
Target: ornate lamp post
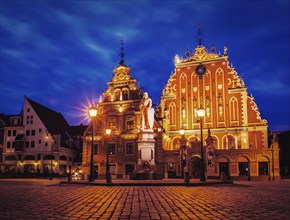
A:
(92, 113)
(182, 143)
(200, 114)
(108, 174)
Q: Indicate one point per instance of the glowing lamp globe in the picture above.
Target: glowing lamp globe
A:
(200, 113)
(92, 112)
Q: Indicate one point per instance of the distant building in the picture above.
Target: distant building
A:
(38, 141)
(118, 110)
(235, 138)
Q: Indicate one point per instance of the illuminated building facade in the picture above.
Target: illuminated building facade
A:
(235, 137)
(38, 141)
(118, 110)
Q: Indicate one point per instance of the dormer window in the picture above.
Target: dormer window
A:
(117, 95)
(125, 94)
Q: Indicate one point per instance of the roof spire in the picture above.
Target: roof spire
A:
(199, 39)
(122, 54)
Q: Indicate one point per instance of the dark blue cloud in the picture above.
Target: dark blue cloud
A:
(61, 53)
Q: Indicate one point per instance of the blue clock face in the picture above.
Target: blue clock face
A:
(200, 69)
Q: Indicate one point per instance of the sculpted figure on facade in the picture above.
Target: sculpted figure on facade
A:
(147, 112)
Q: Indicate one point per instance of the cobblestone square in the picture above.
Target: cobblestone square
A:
(44, 199)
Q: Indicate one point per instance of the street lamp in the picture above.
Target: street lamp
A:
(200, 114)
(182, 143)
(92, 113)
(184, 174)
(108, 174)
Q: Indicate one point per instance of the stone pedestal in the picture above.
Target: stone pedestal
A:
(146, 154)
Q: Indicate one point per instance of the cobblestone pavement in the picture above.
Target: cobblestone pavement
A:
(44, 199)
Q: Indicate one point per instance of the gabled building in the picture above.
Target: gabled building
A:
(118, 110)
(37, 141)
(235, 136)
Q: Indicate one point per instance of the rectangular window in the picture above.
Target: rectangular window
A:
(31, 122)
(28, 110)
(32, 132)
(129, 148)
(130, 124)
(112, 124)
(27, 144)
(32, 144)
(112, 149)
(8, 144)
(28, 133)
(40, 130)
(39, 141)
(9, 133)
(46, 144)
(243, 168)
(263, 168)
(27, 122)
(14, 133)
(96, 149)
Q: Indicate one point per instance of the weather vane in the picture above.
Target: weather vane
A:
(122, 54)
(199, 39)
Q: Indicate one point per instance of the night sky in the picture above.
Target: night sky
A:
(62, 53)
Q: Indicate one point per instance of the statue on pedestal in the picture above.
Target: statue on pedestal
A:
(147, 112)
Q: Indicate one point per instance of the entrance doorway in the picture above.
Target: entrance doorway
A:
(195, 167)
(224, 168)
(171, 169)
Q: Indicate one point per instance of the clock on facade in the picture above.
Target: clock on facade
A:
(200, 69)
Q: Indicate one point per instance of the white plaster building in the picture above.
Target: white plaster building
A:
(37, 141)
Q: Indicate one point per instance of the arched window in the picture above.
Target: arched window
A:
(10, 158)
(125, 94)
(48, 157)
(63, 157)
(117, 95)
(229, 142)
(172, 113)
(233, 109)
(29, 157)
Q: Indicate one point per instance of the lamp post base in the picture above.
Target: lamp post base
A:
(108, 178)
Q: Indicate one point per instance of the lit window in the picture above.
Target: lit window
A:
(112, 123)
(130, 124)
